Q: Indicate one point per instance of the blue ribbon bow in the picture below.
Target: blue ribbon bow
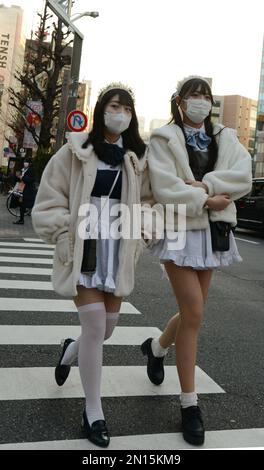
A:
(199, 140)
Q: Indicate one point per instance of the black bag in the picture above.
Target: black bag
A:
(220, 232)
(89, 244)
(89, 256)
(14, 201)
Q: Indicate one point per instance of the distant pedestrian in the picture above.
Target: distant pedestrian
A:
(203, 166)
(1, 180)
(25, 191)
(108, 161)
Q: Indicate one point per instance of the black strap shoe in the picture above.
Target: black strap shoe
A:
(155, 368)
(192, 425)
(62, 370)
(97, 433)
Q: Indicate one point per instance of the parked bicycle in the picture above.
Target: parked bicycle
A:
(13, 202)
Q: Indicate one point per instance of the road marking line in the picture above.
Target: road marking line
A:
(25, 285)
(16, 260)
(36, 383)
(225, 439)
(10, 251)
(35, 335)
(50, 305)
(33, 240)
(22, 270)
(25, 245)
(247, 241)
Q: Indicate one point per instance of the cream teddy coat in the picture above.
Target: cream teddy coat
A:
(67, 183)
(168, 163)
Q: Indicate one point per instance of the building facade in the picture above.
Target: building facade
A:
(83, 102)
(12, 46)
(217, 109)
(240, 113)
(259, 152)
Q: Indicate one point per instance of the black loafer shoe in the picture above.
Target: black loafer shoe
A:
(155, 368)
(192, 425)
(62, 371)
(97, 433)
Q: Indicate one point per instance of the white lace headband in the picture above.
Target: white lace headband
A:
(185, 80)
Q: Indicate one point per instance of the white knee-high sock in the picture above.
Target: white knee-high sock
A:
(71, 352)
(90, 357)
(111, 322)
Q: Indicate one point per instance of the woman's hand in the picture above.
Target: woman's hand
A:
(219, 202)
(197, 184)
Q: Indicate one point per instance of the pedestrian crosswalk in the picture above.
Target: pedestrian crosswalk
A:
(27, 389)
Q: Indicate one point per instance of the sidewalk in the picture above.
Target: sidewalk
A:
(8, 229)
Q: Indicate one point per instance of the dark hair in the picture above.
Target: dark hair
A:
(28, 160)
(189, 87)
(131, 138)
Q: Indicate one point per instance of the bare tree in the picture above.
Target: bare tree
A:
(41, 80)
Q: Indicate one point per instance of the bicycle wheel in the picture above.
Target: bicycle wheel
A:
(15, 211)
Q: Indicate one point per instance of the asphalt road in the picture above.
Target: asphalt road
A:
(231, 350)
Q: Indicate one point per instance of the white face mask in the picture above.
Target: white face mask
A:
(197, 109)
(116, 122)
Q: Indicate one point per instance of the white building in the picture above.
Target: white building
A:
(12, 47)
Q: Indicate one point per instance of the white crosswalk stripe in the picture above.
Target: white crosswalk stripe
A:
(38, 240)
(22, 270)
(228, 439)
(18, 251)
(27, 245)
(50, 305)
(21, 384)
(25, 285)
(29, 383)
(19, 260)
(31, 334)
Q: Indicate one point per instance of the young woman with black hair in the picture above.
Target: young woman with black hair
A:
(106, 163)
(205, 167)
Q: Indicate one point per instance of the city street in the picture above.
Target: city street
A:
(37, 414)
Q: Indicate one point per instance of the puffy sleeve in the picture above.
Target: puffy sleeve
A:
(235, 178)
(50, 214)
(167, 187)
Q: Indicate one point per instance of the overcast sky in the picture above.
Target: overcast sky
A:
(151, 44)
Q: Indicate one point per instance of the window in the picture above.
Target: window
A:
(258, 189)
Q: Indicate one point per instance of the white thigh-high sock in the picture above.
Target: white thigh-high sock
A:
(188, 399)
(71, 352)
(90, 357)
(111, 322)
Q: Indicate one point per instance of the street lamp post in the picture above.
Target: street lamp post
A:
(76, 63)
(62, 9)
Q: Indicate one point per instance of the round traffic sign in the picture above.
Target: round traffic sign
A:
(77, 121)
